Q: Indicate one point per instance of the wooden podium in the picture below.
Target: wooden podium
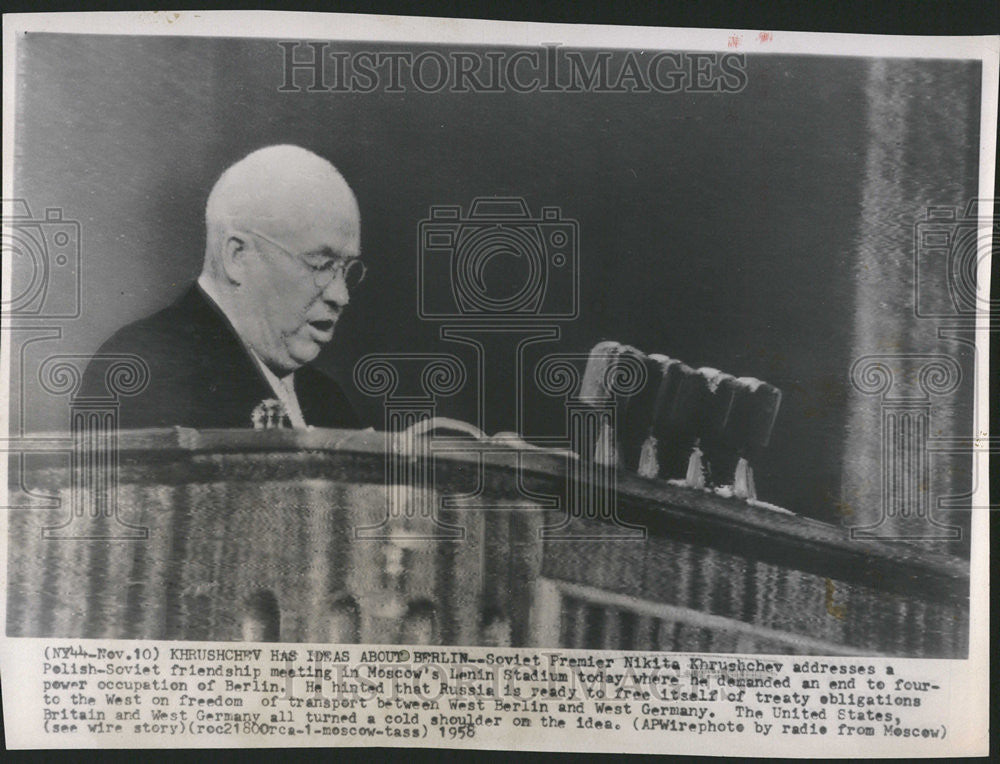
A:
(309, 536)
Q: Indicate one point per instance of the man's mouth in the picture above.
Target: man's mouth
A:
(324, 327)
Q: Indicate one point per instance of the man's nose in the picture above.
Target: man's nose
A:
(336, 291)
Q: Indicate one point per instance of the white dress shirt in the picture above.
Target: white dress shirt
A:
(284, 390)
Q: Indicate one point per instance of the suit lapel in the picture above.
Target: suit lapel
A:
(235, 382)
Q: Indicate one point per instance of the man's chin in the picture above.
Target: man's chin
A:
(305, 351)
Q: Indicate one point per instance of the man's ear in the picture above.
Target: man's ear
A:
(235, 254)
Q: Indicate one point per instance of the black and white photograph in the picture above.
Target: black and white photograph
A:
(534, 340)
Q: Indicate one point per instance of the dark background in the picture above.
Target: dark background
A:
(715, 228)
(857, 16)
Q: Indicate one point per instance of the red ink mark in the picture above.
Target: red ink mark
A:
(734, 41)
(765, 37)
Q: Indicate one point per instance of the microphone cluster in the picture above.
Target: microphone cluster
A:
(702, 427)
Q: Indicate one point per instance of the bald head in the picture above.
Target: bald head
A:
(275, 221)
(278, 190)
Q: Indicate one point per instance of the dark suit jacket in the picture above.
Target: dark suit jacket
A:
(201, 375)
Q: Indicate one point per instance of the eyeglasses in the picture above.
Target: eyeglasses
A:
(352, 269)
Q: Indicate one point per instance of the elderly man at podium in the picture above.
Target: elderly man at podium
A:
(281, 256)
